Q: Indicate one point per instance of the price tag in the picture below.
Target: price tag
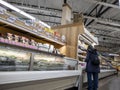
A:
(11, 19)
(29, 22)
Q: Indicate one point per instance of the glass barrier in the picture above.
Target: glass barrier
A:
(13, 60)
(47, 62)
(20, 59)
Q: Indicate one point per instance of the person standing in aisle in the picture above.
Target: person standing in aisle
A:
(92, 68)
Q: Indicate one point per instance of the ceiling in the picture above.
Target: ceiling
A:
(100, 16)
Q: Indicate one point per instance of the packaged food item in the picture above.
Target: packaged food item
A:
(32, 42)
(57, 36)
(2, 10)
(16, 37)
(29, 22)
(11, 19)
(9, 36)
(51, 33)
(63, 38)
(23, 40)
(45, 47)
(26, 41)
(40, 45)
(47, 32)
(20, 22)
(51, 48)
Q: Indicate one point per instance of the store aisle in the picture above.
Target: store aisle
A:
(110, 83)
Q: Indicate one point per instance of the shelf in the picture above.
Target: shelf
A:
(86, 40)
(82, 48)
(90, 37)
(82, 56)
(104, 64)
(31, 32)
(18, 44)
(80, 51)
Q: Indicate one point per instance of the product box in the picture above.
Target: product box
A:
(2, 40)
(20, 22)
(11, 19)
(9, 36)
(57, 36)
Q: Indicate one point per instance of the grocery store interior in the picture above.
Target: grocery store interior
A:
(43, 43)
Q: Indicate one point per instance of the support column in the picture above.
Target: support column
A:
(66, 14)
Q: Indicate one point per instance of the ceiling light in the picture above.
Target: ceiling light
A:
(9, 6)
(16, 9)
(22, 12)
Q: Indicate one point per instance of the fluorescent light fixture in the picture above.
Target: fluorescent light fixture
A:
(16, 9)
(9, 6)
(21, 12)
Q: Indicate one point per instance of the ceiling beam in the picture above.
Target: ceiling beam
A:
(108, 36)
(104, 11)
(105, 4)
(104, 21)
(91, 12)
(114, 32)
(101, 8)
(96, 13)
(52, 14)
(108, 44)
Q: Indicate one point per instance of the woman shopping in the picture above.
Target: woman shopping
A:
(92, 68)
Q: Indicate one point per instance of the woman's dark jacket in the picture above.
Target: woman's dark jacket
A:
(89, 66)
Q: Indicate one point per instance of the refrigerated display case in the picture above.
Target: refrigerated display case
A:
(22, 59)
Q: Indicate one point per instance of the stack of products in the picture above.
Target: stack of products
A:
(14, 39)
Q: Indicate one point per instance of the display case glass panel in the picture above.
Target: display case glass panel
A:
(47, 62)
(71, 64)
(13, 60)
